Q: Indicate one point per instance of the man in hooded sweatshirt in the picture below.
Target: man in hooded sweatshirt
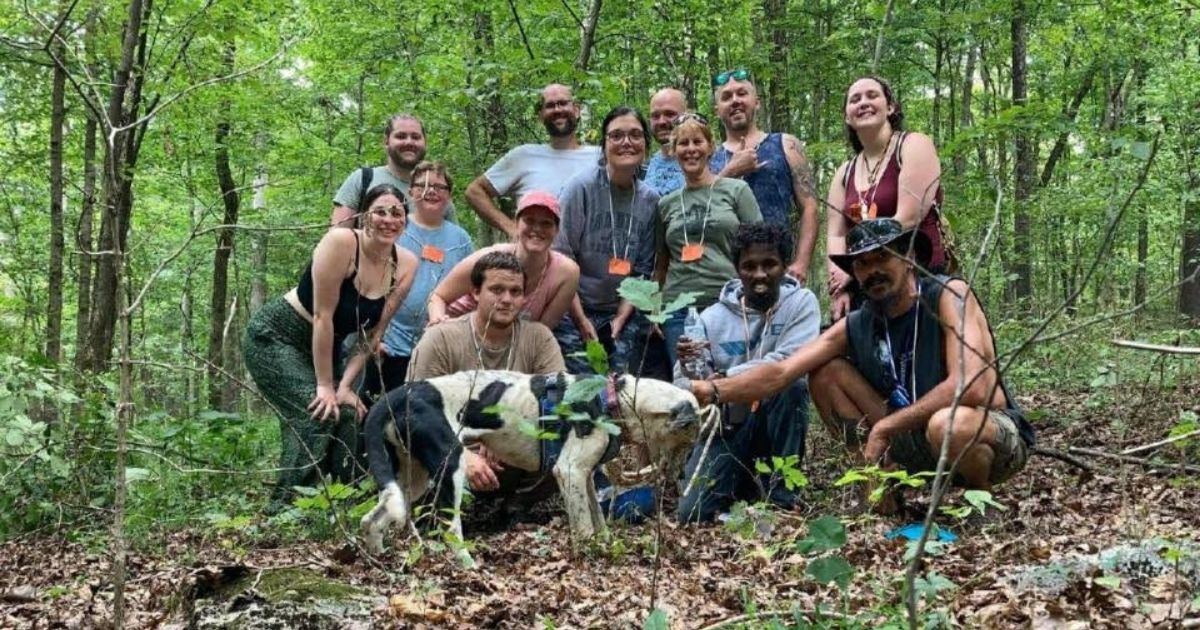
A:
(761, 317)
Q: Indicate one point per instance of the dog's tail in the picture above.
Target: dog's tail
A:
(379, 456)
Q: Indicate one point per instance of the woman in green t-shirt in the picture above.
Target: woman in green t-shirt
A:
(695, 225)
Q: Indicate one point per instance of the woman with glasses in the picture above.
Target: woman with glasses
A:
(608, 227)
(893, 174)
(438, 245)
(551, 278)
(695, 225)
(353, 284)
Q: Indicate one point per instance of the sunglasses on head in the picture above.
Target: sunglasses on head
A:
(686, 116)
(736, 75)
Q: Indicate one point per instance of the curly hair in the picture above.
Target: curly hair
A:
(770, 234)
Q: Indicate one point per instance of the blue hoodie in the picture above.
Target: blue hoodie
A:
(795, 321)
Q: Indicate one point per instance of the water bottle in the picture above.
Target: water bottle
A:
(693, 330)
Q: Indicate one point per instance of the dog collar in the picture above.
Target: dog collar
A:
(608, 398)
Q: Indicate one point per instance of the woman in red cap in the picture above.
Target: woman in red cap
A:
(550, 277)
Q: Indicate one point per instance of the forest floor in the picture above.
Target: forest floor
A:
(529, 576)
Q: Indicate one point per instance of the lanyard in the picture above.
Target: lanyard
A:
(683, 213)
(612, 218)
(887, 334)
(766, 322)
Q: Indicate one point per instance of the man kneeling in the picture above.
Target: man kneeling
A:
(888, 372)
(762, 316)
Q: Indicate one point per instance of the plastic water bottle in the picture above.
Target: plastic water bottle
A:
(693, 330)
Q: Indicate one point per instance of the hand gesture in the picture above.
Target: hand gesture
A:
(743, 161)
(347, 397)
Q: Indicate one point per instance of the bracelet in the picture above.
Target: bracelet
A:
(716, 393)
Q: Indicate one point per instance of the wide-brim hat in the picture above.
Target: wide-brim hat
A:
(874, 234)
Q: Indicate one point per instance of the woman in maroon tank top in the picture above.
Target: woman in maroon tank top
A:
(873, 183)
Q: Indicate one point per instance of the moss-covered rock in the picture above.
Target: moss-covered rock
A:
(240, 598)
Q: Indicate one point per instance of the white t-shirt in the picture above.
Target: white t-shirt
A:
(539, 167)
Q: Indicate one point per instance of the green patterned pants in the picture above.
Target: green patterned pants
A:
(278, 349)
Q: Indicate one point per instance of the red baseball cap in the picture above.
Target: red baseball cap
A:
(540, 199)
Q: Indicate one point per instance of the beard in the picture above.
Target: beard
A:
(568, 128)
(762, 301)
(398, 158)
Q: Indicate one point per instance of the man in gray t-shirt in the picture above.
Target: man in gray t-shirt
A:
(404, 144)
(544, 167)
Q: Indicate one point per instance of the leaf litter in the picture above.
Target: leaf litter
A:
(1049, 561)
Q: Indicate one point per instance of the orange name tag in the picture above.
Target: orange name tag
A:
(619, 266)
(433, 254)
(692, 252)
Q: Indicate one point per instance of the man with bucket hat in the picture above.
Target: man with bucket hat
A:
(885, 377)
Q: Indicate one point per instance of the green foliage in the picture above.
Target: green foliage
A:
(829, 569)
(785, 468)
(824, 534)
(657, 620)
(646, 296)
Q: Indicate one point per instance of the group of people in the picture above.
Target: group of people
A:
(395, 292)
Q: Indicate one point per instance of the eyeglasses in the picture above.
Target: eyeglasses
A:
(686, 116)
(549, 105)
(618, 136)
(438, 187)
(395, 212)
(736, 75)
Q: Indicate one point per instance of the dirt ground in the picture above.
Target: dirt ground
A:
(531, 577)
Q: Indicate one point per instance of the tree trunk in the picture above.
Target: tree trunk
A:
(1020, 268)
(493, 113)
(120, 157)
(587, 36)
(258, 240)
(1189, 259)
(779, 109)
(964, 116)
(1143, 212)
(83, 240)
(220, 276)
(1070, 111)
(54, 305)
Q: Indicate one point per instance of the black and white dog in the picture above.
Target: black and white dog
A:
(424, 424)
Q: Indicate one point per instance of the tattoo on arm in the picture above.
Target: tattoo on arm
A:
(801, 172)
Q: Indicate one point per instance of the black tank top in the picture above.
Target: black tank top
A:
(354, 313)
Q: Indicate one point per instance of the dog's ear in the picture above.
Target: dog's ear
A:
(683, 414)
(474, 415)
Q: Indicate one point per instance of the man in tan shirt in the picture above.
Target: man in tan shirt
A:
(491, 337)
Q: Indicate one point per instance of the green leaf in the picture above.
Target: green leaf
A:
(761, 466)
(14, 437)
(597, 357)
(831, 569)
(1140, 150)
(981, 499)
(585, 389)
(643, 294)
(1110, 582)
(681, 301)
(609, 427)
(133, 475)
(827, 532)
(657, 621)
(853, 475)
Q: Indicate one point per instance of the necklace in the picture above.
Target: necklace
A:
(867, 208)
(537, 286)
(746, 325)
(480, 346)
(687, 244)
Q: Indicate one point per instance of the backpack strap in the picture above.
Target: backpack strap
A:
(900, 145)
(366, 174)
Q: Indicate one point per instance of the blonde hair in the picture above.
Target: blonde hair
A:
(689, 124)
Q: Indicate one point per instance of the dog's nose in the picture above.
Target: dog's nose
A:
(683, 414)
